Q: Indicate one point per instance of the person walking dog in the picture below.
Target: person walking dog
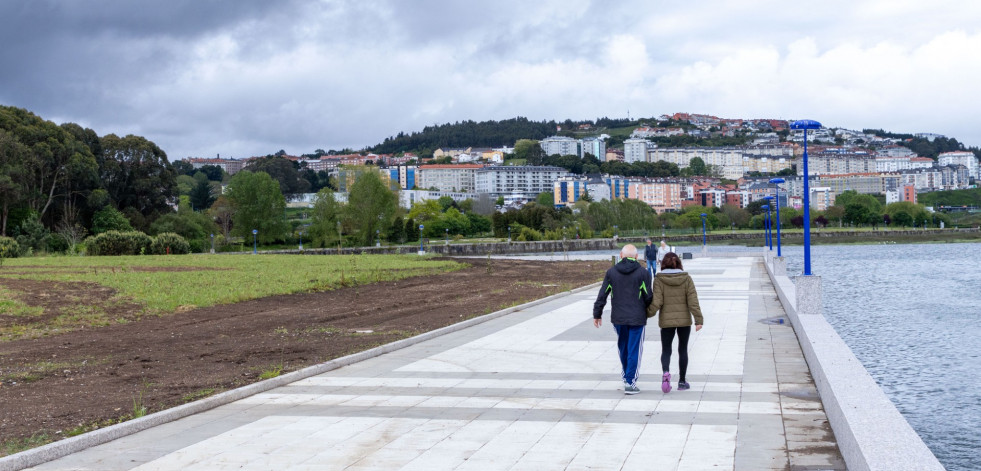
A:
(631, 290)
(675, 297)
(650, 258)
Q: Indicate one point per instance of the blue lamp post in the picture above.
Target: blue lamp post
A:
(254, 232)
(776, 186)
(806, 124)
(301, 240)
(766, 225)
(769, 221)
(703, 230)
(212, 243)
(420, 238)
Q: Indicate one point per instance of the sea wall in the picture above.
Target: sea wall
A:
(870, 431)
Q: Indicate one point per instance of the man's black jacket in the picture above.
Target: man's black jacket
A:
(631, 290)
(650, 254)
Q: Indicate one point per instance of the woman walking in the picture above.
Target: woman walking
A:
(677, 301)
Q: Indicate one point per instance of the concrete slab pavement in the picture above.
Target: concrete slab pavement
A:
(536, 389)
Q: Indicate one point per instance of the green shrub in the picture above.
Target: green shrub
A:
(169, 243)
(110, 219)
(529, 234)
(119, 243)
(9, 248)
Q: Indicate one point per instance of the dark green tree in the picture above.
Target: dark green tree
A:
(201, 197)
(370, 207)
(284, 172)
(411, 230)
(136, 174)
(326, 218)
(259, 205)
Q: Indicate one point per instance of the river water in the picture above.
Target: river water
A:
(912, 315)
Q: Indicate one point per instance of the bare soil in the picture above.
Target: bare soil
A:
(74, 382)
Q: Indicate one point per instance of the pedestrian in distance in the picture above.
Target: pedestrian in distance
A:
(675, 299)
(660, 253)
(650, 258)
(630, 287)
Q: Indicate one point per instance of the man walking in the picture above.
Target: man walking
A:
(630, 287)
(650, 258)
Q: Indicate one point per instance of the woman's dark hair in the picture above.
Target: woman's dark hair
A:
(671, 260)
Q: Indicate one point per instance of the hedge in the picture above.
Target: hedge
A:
(119, 243)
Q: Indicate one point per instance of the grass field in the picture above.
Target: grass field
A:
(162, 284)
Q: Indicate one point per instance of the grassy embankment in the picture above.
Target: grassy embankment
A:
(160, 285)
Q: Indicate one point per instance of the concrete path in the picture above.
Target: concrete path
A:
(538, 389)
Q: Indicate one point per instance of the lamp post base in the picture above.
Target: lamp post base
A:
(808, 294)
(779, 265)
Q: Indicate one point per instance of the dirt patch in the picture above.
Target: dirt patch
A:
(70, 383)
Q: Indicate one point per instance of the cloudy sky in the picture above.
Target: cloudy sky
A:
(244, 78)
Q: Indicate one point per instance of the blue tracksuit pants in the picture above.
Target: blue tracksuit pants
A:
(630, 342)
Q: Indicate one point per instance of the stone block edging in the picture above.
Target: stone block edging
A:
(61, 448)
(871, 433)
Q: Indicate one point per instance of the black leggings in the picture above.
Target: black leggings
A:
(667, 336)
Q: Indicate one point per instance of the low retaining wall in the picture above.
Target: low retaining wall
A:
(494, 248)
(870, 431)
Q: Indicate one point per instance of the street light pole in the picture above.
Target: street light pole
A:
(769, 221)
(776, 182)
(806, 124)
(421, 227)
(254, 246)
(703, 230)
(301, 240)
(766, 225)
(509, 234)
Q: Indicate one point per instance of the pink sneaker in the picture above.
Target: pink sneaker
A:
(666, 383)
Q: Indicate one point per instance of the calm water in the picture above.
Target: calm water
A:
(912, 315)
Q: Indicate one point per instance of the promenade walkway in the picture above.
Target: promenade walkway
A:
(537, 389)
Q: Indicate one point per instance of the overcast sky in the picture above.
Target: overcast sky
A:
(244, 78)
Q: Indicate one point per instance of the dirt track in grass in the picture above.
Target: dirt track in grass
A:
(80, 380)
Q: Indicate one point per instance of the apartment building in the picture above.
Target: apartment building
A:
(403, 175)
(592, 145)
(660, 194)
(560, 145)
(525, 181)
(836, 163)
(965, 158)
(230, 166)
(454, 178)
(635, 150)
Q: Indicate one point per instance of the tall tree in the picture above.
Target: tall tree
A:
(284, 172)
(12, 176)
(371, 205)
(53, 157)
(325, 217)
(201, 196)
(137, 175)
(259, 205)
(222, 211)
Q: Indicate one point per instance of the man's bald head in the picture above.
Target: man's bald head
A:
(628, 251)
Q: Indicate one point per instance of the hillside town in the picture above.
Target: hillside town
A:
(838, 159)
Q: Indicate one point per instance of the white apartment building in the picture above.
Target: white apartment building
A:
(452, 178)
(965, 158)
(592, 145)
(836, 163)
(526, 181)
(635, 150)
(560, 145)
(409, 197)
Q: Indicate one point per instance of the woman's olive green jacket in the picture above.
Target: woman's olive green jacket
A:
(675, 297)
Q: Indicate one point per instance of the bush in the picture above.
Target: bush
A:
(110, 219)
(169, 243)
(119, 243)
(9, 248)
(529, 234)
